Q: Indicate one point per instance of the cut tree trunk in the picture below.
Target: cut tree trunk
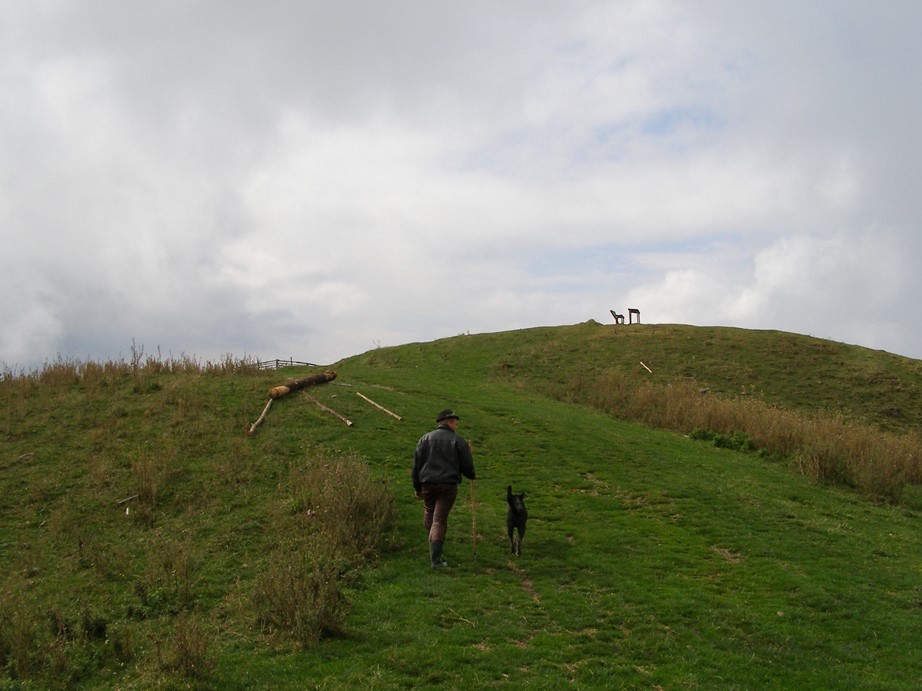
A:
(297, 384)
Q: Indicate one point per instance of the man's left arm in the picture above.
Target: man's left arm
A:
(414, 473)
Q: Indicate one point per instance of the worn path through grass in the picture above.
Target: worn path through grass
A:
(649, 559)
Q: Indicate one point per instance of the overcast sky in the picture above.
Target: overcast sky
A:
(291, 178)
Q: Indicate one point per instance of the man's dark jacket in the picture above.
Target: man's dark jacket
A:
(441, 457)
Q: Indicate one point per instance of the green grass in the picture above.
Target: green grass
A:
(651, 559)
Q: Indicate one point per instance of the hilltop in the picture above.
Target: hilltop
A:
(789, 370)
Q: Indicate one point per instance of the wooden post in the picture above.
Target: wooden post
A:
(473, 522)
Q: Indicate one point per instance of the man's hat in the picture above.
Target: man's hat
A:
(447, 414)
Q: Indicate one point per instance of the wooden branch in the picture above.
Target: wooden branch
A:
(466, 621)
(379, 407)
(261, 418)
(646, 368)
(122, 501)
(329, 410)
(296, 384)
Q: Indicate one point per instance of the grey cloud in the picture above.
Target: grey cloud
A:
(217, 177)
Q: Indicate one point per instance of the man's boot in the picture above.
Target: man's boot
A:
(435, 555)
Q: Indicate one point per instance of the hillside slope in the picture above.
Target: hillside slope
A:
(650, 559)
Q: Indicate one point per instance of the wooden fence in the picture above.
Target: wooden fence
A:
(276, 364)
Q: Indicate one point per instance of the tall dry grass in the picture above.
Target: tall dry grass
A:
(341, 501)
(190, 646)
(300, 592)
(69, 371)
(342, 516)
(824, 446)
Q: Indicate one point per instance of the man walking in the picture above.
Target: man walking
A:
(442, 457)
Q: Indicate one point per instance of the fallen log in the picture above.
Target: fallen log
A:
(379, 407)
(329, 410)
(296, 384)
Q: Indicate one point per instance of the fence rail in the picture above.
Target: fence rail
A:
(277, 363)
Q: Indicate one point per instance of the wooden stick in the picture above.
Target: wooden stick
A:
(379, 407)
(261, 418)
(646, 368)
(122, 501)
(329, 410)
(466, 621)
(473, 522)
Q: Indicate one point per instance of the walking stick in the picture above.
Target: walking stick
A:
(473, 522)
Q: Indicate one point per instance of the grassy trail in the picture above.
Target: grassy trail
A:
(649, 560)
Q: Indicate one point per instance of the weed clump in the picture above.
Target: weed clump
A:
(337, 498)
(190, 651)
(300, 595)
(736, 441)
(341, 516)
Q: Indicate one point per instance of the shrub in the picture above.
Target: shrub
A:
(342, 515)
(338, 498)
(300, 593)
(191, 645)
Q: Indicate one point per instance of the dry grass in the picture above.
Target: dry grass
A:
(342, 516)
(190, 649)
(342, 502)
(299, 594)
(18, 633)
(824, 446)
(92, 374)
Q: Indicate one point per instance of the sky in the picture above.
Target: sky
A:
(315, 179)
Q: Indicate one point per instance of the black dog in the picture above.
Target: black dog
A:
(516, 519)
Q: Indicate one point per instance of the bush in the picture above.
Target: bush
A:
(300, 594)
(340, 500)
(191, 645)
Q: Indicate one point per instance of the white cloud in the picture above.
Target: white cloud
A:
(315, 178)
(848, 288)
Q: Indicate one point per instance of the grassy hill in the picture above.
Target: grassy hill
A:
(147, 540)
(790, 370)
